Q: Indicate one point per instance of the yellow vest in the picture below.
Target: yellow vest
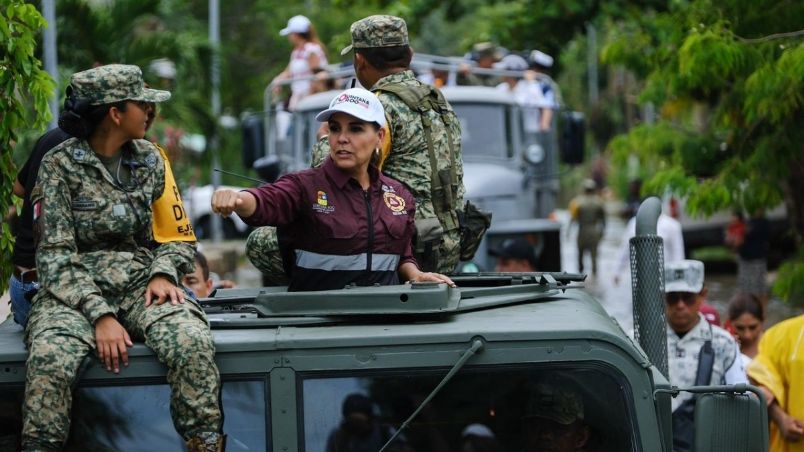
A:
(170, 221)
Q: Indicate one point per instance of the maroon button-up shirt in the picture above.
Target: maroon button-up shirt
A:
(339, 233)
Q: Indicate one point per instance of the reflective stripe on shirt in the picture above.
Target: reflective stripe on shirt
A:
(354, 262)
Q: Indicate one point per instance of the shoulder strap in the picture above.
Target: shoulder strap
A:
(706, 361)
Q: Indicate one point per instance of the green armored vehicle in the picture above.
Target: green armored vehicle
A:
(418, 364)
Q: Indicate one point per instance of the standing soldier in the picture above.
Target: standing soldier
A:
(588, 212)
(111, 248)
(422, 148)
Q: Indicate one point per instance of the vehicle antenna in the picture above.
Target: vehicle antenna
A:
(240, 176)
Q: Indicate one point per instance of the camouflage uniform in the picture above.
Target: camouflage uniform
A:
(95, 257)
(408, 160)
(590, 214)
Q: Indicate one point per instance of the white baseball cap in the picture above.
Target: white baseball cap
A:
(684, 276)
(296, 24)
(541, 58)
(512, 63)
(358, 102)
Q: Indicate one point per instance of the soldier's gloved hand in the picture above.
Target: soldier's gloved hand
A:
(112, 341)
(160, 289)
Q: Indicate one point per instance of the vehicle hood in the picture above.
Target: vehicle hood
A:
(488, 180)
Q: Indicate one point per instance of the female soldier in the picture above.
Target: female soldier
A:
(346, 222)
(109, 262)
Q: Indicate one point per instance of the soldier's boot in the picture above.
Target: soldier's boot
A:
(207, 442)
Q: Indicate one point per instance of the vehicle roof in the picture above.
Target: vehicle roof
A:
(454, 94)
(477, 94)
(571, 315)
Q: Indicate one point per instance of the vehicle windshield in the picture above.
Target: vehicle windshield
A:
(519, 408)
(485, 130)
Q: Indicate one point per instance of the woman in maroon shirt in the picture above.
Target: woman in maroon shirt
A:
(346, 222)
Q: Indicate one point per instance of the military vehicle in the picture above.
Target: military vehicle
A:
(427, 360)
(509, 170)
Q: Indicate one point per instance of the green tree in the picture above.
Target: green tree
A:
(23, 84)
(726, 79)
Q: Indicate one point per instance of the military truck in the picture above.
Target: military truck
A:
(429, 360)
(508, 170)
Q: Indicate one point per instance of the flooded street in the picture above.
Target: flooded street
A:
(616, 298)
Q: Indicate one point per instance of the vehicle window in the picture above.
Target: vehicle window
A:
(484, 130)
(519, 409)
(137, 418)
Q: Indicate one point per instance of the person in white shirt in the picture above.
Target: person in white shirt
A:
(668, 228)
(308, 54)
(527, 92)
(698, 352)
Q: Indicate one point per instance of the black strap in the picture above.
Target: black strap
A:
(684, 415)
(706, 361)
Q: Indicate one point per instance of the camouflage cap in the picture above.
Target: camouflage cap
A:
(555, 403)
(378, 31)
(684, 276)
(113, 83)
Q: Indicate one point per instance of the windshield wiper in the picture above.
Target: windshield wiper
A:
(477, 344)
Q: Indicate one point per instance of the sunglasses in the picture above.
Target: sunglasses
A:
(673, 297)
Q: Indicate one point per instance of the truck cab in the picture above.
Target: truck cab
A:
(427, 360)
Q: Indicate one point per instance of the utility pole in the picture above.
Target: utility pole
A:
(591, 62)
(215, 79)
(51, 62)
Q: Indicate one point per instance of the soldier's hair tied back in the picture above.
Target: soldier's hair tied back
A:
(79, 117)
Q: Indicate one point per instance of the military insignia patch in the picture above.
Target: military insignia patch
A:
(79, 154)
(394, 202)
(150, 160)
(119, 210)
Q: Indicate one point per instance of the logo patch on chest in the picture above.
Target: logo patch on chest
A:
(322, 203)
(394, 202)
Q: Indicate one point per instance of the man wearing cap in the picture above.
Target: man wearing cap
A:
(698, 353)
(109, 256)
(422, 148)
(587, 210)
(554, 420)
(540, 63)
(515, 255)
(487, 55)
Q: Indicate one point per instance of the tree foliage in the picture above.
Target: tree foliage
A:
(23, 84)
(726, 77)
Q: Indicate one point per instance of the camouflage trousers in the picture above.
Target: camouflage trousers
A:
(262, 249)
(59, 338)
